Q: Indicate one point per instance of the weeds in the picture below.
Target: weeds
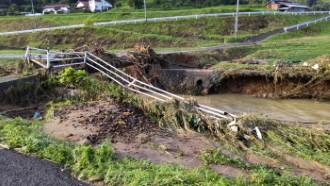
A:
(99, 164)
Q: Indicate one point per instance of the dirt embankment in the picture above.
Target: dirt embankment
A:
(265, 86)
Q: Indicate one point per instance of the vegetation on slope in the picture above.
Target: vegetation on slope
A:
(298, 45)
(167, 34)
(101, 164)
(51, 20)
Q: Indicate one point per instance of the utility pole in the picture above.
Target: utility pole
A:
(145, 10)
(34, 14)
(236, 20)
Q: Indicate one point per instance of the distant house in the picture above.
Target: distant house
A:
(24, 13)
(286, 6)
(94, 5)
(55, 9)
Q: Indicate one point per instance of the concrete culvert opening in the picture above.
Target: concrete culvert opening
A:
(199, 83)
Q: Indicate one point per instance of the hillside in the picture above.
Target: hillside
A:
(14, 23)
(191, 33)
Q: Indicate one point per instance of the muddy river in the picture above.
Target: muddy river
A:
(289, 110)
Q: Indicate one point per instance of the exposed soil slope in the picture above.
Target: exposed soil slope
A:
(90, 123)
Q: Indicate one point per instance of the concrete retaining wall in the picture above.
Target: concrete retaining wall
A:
(12, 80)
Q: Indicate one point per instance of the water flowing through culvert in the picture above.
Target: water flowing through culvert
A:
(303, 110)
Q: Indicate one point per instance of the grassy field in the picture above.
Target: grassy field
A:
(122, 13)
(185, 33)
(303, 44)
(9, 63)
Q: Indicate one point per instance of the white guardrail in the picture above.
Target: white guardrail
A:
(46, 57)
(168, 18)
(297, 26)
(41, 29)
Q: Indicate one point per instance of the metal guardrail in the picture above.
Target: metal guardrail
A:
(163, 18)
(41, 29)
(118, 76)
(297, 26)
(209, 15)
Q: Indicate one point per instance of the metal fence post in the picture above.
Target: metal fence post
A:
(48, 61)
(85, 58)
(26, 54)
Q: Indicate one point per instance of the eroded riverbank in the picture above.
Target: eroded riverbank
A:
(305, 110)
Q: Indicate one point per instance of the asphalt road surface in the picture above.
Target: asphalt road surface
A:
(20, 170)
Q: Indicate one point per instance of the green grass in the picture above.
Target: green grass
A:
(313, 30)
(235, 66)
(185, 33)
(303, 44)
(302, 49)
(299, 45)
(12, 52)
(9, 63)
(124, 13)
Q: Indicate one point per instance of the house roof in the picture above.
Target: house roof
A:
(58, 6)
(85, 4)
(292, 4)
(276, 1)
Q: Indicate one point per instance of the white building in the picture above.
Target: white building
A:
(54, 9)
(94, 5)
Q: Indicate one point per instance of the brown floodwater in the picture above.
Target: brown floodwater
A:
(289, 109)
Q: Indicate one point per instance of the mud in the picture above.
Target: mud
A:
(109, 120)
(132, 134)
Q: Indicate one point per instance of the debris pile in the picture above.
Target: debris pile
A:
(116, 121)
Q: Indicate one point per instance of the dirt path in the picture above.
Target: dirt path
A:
(21, 170)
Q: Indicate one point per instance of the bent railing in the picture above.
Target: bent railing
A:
(47, 58)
